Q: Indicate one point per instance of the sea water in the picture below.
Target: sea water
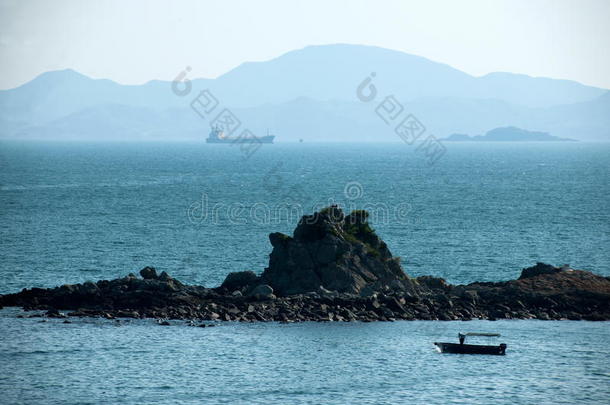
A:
(71, 212)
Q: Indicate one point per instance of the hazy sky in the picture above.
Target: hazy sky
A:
(136, 41)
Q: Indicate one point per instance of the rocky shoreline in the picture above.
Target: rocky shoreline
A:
(333, 268)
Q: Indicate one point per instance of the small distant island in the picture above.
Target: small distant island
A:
(508, 134)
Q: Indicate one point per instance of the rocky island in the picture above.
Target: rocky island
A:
(333, 268)
(508, 134)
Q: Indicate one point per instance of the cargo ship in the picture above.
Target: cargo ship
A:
(217, 135)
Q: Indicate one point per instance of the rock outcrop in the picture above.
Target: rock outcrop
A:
(334, 268)
(538, 269)
(239, 280)
(572, 295)
(333, 251)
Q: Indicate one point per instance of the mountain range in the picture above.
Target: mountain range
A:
(308, 94)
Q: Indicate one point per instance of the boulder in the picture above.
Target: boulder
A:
(433, 283)
(328, 249)
(538, 269)
(89, 287)
(238, 280)
(404, 286)
(262, 291)
(323, 292)
(148, 273)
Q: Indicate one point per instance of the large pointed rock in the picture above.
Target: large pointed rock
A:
(330, 250)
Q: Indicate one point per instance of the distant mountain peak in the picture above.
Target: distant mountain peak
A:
(313, 89)
(62, 74)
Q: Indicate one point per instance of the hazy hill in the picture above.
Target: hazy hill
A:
(311, 94)
(508, 134)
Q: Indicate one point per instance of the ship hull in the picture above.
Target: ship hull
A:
(262, 139)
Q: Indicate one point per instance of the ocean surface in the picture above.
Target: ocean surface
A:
(71, 212)
(93, 361)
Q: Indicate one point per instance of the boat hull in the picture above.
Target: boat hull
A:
(471, 349)
(262, 139)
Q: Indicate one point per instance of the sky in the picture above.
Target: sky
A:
(132, 42)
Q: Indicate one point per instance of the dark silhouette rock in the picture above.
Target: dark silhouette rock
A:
(564, 295)
(238, 280)
(148, 273)
(538, 269)
(340, 253)
(334, 268)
